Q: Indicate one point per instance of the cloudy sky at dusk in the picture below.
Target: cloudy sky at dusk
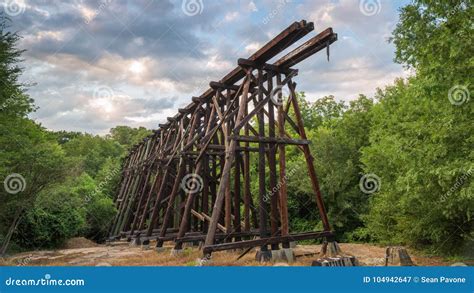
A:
(98, 64)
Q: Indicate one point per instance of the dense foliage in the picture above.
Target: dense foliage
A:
(67, 178)
(422, 133)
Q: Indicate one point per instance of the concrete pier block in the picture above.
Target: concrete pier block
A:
(159, 249)
(288, 255)
(397, 256)
(283, 255)
(135, 242)
(331, 249)
(263, 256)
(176, 252)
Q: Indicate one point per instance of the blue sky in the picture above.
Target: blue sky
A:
(98, 64)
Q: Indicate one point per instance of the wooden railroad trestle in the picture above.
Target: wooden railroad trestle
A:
(190, 180)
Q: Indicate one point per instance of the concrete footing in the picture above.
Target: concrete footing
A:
(283, 255)
(176, 252)
(397, 256)
(332, 256)
(331, 249)
(276, 255)
(191, 244)
(288, 254)
(263, 256)
(135, 242)
(159, 249)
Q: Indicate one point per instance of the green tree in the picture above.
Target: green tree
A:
(128, 136)
(421, 138)
(13, 99)
(34, 160)
(92, 152)
(338, 133)
(57, 214)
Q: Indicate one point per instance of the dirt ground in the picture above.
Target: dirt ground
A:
(122, 254)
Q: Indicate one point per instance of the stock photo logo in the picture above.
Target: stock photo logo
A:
(103, 92)
(370, 7)
(370, 183)
(14, 7)
(14, 183)
(192, 183)
(278, 94)
(460, 181)
(100, 7)
(458, 95)
(192, 7)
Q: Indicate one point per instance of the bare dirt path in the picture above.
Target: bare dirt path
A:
(121, 254)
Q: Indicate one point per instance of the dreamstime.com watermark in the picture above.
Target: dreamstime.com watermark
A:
(277, 188)
(370, 7)
(16, 95)
(14, 7)
(456, 8)
(14, 183)
(101, 185)
(459, 182)
(370, 183)
(278, 94)
(192, 7)
(103, 92)
(8, 102)
(275, 11)
(201, 262)
(458, 95)
(192, 183)
(45, 281)
(24, 261)
(102, 5)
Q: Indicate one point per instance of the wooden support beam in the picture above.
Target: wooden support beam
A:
(204, 217)
(226, 170)
(264, 139)
(310, 162)
(312, 46)
(283, 195)
(208, 249)
(265, 66)
(222, 86)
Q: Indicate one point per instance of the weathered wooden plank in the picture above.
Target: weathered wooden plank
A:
(263, 139)
(208, 249)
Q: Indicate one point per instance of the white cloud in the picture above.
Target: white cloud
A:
(231, 16)
(156, 63)
(252, 47)
(252, 7)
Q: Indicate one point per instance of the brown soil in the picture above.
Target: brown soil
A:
(79, 242)
(121, 254)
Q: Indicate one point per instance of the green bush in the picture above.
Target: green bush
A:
(50, 222)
